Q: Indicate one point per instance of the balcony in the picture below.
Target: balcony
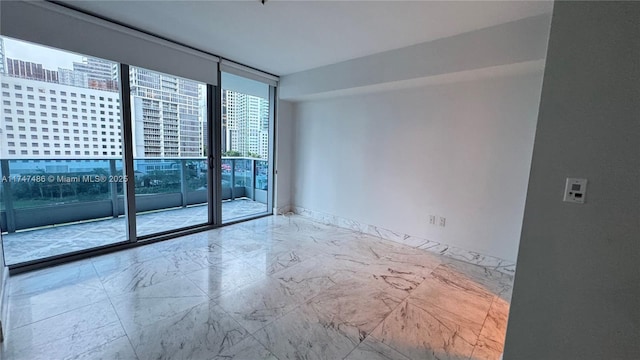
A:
(52, 207)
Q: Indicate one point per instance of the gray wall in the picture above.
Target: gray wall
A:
(577, 286)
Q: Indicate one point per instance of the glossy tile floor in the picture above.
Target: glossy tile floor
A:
(48, 241)
(280, 287)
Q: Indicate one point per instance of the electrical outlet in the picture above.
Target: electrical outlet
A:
(443, 221)
(432, 219)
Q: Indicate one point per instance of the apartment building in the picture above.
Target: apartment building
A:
(168, 116)
(246, 124)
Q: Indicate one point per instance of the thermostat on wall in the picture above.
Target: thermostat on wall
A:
(575, 190)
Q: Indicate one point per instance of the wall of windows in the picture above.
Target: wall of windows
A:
(84, 168)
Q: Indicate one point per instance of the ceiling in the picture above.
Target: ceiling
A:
(284, 37)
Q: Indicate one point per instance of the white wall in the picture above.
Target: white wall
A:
(514, 42)
(390, 159)
(577, 288)
(284, 153)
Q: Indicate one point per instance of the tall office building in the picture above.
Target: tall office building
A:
(91, 73)
(245, 124)
(96, 69)
(72, 78)
(167, 113)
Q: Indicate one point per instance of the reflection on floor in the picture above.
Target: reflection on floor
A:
(280, 287)
(48, 241)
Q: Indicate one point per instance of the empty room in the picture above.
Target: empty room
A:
(272, 179)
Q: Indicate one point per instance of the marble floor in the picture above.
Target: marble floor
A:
(280, 287)
(48, 241)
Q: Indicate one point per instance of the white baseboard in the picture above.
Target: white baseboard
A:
(491, 262)
(281, 210)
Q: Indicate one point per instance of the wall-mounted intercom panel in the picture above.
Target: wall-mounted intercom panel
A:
(575, 190)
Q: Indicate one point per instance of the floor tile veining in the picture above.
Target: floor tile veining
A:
(280, 287)
(38, 243)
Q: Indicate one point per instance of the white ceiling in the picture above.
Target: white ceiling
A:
(283, 37)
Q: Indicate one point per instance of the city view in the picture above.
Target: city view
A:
(61, 144)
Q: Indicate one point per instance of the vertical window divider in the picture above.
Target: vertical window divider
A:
(211, 161)
(272, 145)
(215, 140)
(127, 144)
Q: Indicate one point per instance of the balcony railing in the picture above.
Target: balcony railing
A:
(38, 193)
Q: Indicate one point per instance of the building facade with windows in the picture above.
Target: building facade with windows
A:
(43, 120)
(91, 73)
(167, 115)
(72, 78)
(245, 124)
(76, 113)
(30, 70)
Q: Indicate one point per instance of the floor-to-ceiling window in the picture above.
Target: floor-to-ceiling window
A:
(60, 152)
(169, 125)
(246, 133)
(134, 140)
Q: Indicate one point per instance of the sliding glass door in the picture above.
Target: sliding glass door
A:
(246, 131)
(98, 154)
(62, 153)
(169, 126)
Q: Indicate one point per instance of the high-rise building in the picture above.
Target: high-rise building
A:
(30, 70)
(92, 73)
(167, 113)
(72, 78)
(96, 69)
(77, 118)
(245, 124)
